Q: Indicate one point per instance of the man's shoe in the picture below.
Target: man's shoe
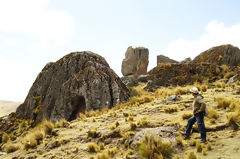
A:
(186, 136)
(203, 141)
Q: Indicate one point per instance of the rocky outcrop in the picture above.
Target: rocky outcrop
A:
(135, 62)
(220, 55)
(186, 60)
(165, 59)
(182, 74)
(79, 81)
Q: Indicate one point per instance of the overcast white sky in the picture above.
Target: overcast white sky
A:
(35, 32)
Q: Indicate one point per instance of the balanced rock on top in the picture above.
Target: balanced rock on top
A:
(77, 82)
(135, 62)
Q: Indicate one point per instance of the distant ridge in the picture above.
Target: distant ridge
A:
(7, 107)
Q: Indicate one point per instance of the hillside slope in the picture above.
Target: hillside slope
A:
(112, 131)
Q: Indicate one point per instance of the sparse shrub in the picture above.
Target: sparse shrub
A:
(212, 113)
(209, 146)
(142, 122)
(62, 124)
(224, 68)
(103, 155)
(133, 92)
(82, 116)
(90, 113)
(92, 147)
(223, 102)
(112, 127)
(187, 116)
(111, 152)
(92, 133)
(180, 141)
(47, 126)
(199, 147)
(130, 151)
(191, 155)
(213, 121)
(91, 157)
(151, 147)
(133, 126)
(30, 143)
(101, 145)
(37, 135)
(233, 119)
(5, 138)
(204, 152)
(229, 74)
(193, 142)
(11, 148)
(171, 109)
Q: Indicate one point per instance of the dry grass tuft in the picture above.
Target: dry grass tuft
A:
(223, 102)
(191, 155)
(180, 141)
(209, 146)
(92, 133)
(142, 122)
(101, 146)
(47, 126)
(212, 113)
(92, 147)
(11, 148)
(5, 138)
(199, 147)
(30, 143)
(152, 147)
(233, 119)
(61, 124)
(186, 116)
(171, 109)
(133, 126)
(193, 142)
(103, 155)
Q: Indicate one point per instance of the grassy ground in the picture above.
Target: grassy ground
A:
(106, 134)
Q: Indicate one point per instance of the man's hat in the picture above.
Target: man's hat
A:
(194, 90)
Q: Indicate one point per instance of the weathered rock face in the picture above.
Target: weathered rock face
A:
(220, 55)
(79, 81)
(135, 62)
(164, 59)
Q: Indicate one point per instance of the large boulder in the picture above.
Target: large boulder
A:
(220, 55)
(164, 59)
(135, 62)
(77, 82)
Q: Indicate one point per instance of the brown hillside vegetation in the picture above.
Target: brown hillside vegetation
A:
(186, 74)
(119, 132)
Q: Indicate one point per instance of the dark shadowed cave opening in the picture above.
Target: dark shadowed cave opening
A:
(78, 105)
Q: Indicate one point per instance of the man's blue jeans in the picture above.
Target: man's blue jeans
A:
(199, 117)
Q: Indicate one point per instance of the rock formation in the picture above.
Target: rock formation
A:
(135, 62)
(186, 60)
(77, 82)
(164, 59)
(220, 55)
(182, 74)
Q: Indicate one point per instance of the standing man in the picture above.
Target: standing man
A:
(199, 107)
